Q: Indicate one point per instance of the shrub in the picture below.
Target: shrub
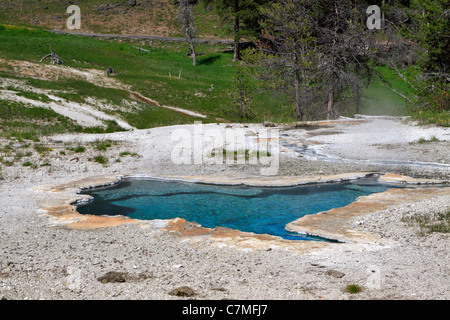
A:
(80, 149)
(100, 159)
(353, 288)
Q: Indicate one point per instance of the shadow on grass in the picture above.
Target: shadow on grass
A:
(208, 60)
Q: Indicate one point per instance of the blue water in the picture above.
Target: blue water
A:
(251, 209)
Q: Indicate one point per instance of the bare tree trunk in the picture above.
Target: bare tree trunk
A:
(54, 57)
(236, 31)
(186, 18)
(298, 105)
(357, 99)
(330, 108)
(192, 52)
(194, 59)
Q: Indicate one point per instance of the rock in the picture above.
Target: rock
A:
(110, 71)
(131, 3)
(182, 292)
(220, 289)
(268, 124)
(112, 277)
(335, 273)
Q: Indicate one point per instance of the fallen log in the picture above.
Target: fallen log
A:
(54, 57)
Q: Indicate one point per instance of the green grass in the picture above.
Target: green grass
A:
(380, 99)
(100, 159)
(432, 139)
(430, 223)
(28, 123)
(154, 75)
(23, 122)
(431, 117)
(353, 288)
(41, 149)
(128, 153)
(103, 145)
(27, 164)
(34, 96)
(81, 90)
(208, 23)
(79, 149)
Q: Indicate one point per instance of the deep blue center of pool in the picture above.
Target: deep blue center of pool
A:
(250, 209)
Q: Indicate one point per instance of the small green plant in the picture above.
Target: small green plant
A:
(127, 153)
(8, 163)
(101, 159)
(432, 139)
(103, 145)
(79, 149)
(27, 164)
(41, 149)
(353, 288)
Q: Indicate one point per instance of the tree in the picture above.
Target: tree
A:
(188, 28)
(430, 27)
(346, 45)
(241, 18)
(242, 95)
(290, 48)
(317, 52)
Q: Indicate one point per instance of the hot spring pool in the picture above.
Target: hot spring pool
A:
(252, 209)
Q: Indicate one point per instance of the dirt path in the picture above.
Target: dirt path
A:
(155, 103)
(142, 37)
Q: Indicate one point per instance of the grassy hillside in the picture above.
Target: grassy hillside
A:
(386, 97)
(147, 17)
(164, 74)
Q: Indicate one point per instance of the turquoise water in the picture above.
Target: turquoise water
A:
(251, 209)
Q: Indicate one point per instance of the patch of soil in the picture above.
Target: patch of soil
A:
(120, 277)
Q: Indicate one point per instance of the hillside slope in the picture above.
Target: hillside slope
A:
(142, 17)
